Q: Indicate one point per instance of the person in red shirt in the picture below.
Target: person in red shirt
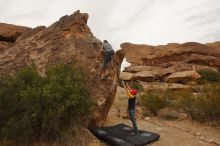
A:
(131, 93)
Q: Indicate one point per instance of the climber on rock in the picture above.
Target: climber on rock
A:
(131, 93)
(107, 52)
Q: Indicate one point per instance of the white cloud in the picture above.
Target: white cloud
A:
(144, 21)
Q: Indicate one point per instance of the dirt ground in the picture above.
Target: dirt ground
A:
(180, 131)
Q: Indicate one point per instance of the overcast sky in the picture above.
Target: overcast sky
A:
(150, 22)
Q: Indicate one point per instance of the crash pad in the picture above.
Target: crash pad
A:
(123, 135)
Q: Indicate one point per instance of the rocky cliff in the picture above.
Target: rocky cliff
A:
(67, 41)
(157, 63)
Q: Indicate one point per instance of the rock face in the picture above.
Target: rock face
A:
(163, 86)
(148, 76)
(164, 60)
(183, 77)
(9, 34)
(67, 41)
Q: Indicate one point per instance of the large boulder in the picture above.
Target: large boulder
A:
(126, 76)
(183, 77)
(67, 41)
(163, 86)
(140, 71)
(148, 76)
(139, 68)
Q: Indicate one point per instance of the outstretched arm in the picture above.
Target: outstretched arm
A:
(127, 86)
(123, 83)
(126, 89)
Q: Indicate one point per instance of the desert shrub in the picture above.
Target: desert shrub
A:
(137, 85)
(153, 100)
(204, 105)
(183, 100)
(33, 107)
(201, 103)
(208, 76)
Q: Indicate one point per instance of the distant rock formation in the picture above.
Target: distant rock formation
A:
(156, 63)
(8, 35)
(65, 41)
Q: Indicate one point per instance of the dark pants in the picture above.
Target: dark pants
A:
(133, 120)
(107, 59)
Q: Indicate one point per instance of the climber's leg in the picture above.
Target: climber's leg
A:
(133, 120)
(107, 60)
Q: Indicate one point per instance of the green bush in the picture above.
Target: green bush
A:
(153, 100)
(36, 108)
(137, 85)
(208, 76)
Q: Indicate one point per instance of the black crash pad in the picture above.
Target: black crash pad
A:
(122, 135)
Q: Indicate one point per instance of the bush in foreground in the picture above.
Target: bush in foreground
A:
(36, 108)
